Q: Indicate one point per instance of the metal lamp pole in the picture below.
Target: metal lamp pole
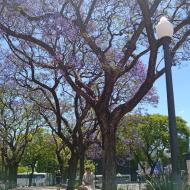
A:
(164, 31)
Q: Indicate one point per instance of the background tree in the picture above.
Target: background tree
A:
(18, 122)
(62, 154)
(68, 115)
(146, 139)
(40, 154)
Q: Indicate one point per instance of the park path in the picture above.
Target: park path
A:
(134, 186)
(38, 188)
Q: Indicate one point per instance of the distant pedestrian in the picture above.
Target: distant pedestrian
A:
(82, 187)
(88, 180)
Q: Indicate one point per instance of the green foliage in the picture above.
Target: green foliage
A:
(165, 182)
(90, 164)
(23, 169)
(40, 153)
(47, 164)
(148, 137)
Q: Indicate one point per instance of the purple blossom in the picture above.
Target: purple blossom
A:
(127, 142)
(94, 152)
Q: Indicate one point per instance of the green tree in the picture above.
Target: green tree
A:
(18, 122)
(40, 154)
(146, 139)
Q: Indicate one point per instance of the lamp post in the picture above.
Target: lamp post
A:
(164, 31)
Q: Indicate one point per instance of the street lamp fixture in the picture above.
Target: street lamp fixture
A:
(165, 31)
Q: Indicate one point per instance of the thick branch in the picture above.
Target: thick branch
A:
(28, 38)
(147, 21)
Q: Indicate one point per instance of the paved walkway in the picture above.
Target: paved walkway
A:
(132, 186)
(38, 188)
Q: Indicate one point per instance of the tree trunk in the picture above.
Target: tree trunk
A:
(61, 166)
(31, 174)
(72, 171)
(12, 175)
(6, 174)
(81, 166)
(109, 160)
(4, 169)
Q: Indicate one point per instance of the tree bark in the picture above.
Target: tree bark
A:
(4, 169)
(61, 166)
(31, 174)
(109, 160)
(6, 174)
(72, 171)
(12, 175)
(81, 166)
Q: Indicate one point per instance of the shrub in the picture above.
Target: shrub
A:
(165, 182)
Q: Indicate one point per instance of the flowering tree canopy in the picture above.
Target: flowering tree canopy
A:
(18, 124)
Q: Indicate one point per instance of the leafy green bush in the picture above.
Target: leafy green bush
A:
(165, 182)
(23, 169)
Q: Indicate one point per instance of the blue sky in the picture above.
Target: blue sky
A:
(181, 84)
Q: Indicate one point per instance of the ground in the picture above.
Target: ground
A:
(134, 186)
(38, 188)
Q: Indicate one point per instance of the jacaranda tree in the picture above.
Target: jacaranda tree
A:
(18, 124)
(98, 46)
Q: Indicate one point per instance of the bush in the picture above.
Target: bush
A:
(165, 182)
